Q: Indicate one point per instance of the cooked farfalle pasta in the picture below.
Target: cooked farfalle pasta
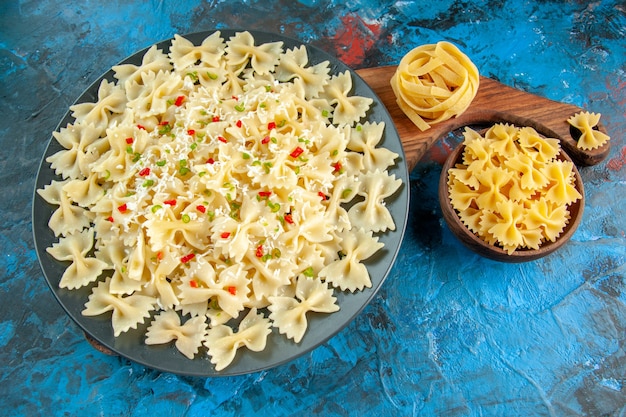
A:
(154, 60)
(68, 218)
(79, 142)
(83, 269)
(188, 337)
(348, 109)
(590, 138)
(511, 189)
(220, 181)
(223, 343)
(348, 272)
(434, 82)
(109, 106)
(128, 311)
(289, 313)
(294, 65)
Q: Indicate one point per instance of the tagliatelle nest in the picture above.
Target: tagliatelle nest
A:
(434, 82)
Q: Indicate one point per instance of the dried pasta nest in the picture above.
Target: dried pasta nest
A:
(434, 82)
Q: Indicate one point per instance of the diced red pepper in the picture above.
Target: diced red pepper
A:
(225, 235)
(201, 208)
(337, 167)
(193, 284)
(171, 202)
(265, 193)
(129, 141)
(144, 172)
(296, 152)
(232, 290)
(216, 119)
(210, 161)
(122, 208)
(289, 218)
(259, 251)
(160, 256)
(141, 127)
(271, 125)
(191, 132)
(238, 123)
(164, 123)
(265, 140)
(324, 196)
(187, 258)
(222, 139)
(110, 218)
(179, 101)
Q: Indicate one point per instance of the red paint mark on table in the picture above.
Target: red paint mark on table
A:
(615, 164)
(355, 39)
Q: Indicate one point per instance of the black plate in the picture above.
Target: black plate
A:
(279, 349)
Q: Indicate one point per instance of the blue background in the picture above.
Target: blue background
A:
(450, 333)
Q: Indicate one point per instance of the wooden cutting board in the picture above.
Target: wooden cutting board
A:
(494, 103)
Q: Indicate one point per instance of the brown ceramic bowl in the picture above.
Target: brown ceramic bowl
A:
(478, 245)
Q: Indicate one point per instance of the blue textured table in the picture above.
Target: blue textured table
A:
(449, 333)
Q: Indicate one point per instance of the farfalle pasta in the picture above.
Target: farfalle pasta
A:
(219, 181)
(585, 123)
(510, 188)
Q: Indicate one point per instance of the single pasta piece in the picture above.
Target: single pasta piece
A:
(434, 82)
(590, 138)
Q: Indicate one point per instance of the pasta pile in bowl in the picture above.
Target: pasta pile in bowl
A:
(210, 194)
(511, 194)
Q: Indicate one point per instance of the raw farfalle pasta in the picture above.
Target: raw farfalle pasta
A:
(220, 181)
(590, 138)
(511, 189)
(434, 82)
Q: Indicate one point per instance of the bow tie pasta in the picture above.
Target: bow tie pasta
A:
(510, 188)
(220, 181)
(585, 123)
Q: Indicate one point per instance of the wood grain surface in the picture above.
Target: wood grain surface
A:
(494, 103)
